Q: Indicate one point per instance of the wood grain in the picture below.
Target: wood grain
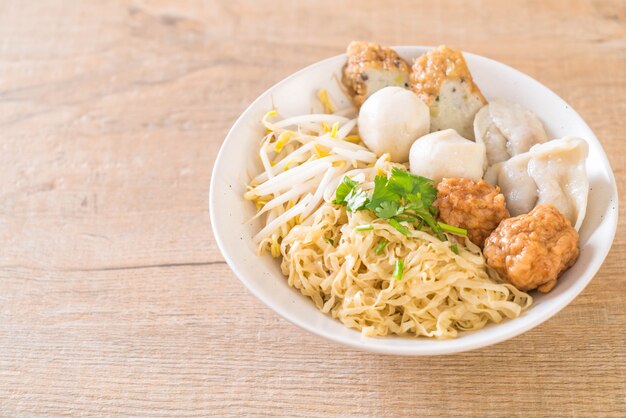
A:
(114, 299)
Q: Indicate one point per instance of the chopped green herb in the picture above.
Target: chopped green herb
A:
(452, 229)
(381, 194)
(398, 270)
(356, 200)
(343, 190)
(388, 209)
(401, 197)
(406, 218)
(380, 246)
(402, 229)
(455, 249)
(409, 185)
(330, 241)
(367, 227)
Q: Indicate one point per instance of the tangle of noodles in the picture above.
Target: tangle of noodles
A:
(348, 273)
(439, 294)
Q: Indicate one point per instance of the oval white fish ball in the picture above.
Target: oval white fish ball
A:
(446, 154)
(390, 121)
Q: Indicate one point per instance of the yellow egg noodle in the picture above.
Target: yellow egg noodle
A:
(439, 294)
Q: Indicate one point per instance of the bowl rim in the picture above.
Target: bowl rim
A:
(506, 332)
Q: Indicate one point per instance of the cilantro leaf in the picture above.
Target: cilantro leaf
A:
(409, 185)
(428, 192)
(415, 203)
(389, 209)
(400, 182)
(381, 193)
(346, 186)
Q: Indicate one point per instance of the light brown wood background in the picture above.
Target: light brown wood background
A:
(114, 299)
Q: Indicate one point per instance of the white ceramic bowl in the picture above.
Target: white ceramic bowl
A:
(295, 95)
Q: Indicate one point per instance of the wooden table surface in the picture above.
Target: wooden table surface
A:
(114, 299)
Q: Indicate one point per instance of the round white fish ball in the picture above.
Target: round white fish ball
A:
(446, 154)
(391, 119)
